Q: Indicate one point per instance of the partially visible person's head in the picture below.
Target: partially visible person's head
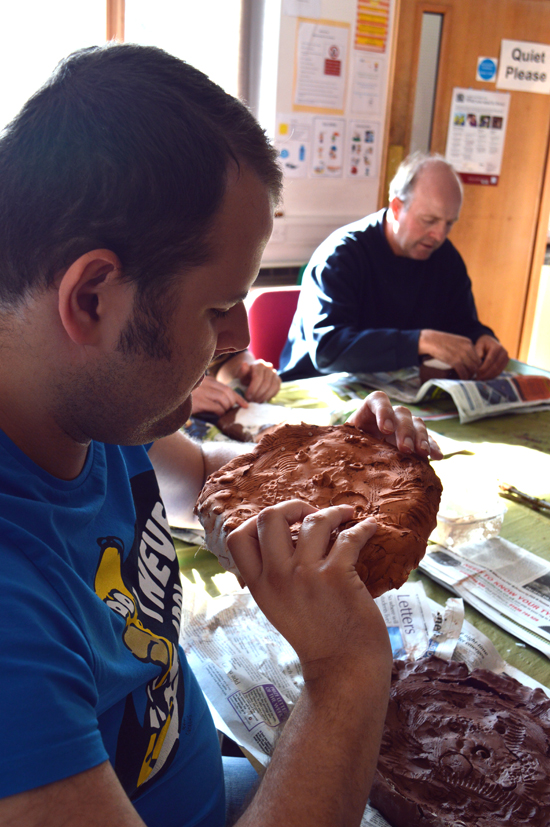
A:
(411, 169)
(125, 148)
(425, 202)
(131, 393)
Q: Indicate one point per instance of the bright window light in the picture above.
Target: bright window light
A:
(203, 34)
(34, 36)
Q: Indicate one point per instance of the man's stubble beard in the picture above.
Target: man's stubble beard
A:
(113, 403)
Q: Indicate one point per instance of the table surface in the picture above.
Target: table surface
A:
(514, 448)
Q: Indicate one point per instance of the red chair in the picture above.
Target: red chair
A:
(269, 317)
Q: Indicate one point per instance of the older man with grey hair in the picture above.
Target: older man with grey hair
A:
(391, 290)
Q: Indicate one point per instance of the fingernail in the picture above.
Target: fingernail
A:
(409, 443)
(388, 425)
(425, 445)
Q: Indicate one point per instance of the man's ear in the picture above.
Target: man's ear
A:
(90, 295)
(396, 205)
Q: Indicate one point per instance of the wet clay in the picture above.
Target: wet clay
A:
(324, 466)
(463, 749)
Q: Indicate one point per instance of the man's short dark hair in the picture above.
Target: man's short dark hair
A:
(403, 182)
(125, 148)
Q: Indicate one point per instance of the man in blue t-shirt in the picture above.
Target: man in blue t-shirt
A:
(136, 198)
(390, 290)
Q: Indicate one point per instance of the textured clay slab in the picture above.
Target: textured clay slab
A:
(463, 749)
(325, 466)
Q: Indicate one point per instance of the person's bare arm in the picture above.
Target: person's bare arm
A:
(182, 465)
(90, 799)
(456, 351)
(493, 355)
(322, 768)
(323, 765)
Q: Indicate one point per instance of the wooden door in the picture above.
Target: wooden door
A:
(502, 229)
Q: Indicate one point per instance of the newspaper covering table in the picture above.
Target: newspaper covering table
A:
(508, 393)
(251, 677)
(503, 581)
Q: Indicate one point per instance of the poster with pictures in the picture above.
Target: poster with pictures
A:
(475, 138)
(293, 143)
(362, 149)
(328, 148)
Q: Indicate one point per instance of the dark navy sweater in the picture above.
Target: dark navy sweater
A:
(361, 307)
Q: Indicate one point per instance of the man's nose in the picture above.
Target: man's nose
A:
(439, 232)
(235, 335)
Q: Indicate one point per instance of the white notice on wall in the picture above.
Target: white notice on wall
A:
(321, 61)
(366, 82)
(524, 66)
(475, 139)
(302, 8)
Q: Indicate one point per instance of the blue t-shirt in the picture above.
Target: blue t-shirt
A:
(90, 605)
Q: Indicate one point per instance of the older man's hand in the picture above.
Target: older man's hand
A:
(494, 357)
(457, 351)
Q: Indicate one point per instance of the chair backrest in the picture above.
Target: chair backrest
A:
(269, 317)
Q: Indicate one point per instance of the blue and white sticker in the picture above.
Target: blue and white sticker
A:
(486, 68)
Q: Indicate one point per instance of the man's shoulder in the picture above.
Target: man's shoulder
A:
(361, 232)
(372, 223)
(448, 253)
(22, 480)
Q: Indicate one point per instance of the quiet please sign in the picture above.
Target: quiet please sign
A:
(524, 67)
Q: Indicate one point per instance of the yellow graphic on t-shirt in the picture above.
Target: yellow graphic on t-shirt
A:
(147, 647)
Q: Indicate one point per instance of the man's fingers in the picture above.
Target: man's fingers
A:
(435, 451)
(351, 540)
(316, 529)
(410, 433)
(215, 397)
(495, 358)
(240, 401)
(462, 371)
(264, 382)
(254, 542)
(376, 415)
(396, 425)
(245, 549)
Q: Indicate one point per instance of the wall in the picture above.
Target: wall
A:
(539, 351)
(313, 207)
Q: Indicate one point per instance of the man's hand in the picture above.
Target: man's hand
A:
(322, 768)
(397, 425)
(314, 598)
(261, 380)
(493, 355)
(214, 397)
(456, 351)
